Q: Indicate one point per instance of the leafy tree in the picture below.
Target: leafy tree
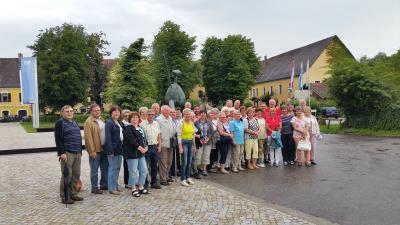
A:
(130, 78)
(174, 49)
(355, 90)
(230, 67)
(97, 71)
(65, 55)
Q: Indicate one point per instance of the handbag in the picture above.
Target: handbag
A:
(304, 145)
(225, 139)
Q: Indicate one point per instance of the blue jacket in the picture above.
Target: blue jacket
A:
(113, 145)
(276, 140)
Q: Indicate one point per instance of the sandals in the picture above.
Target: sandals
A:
(299, 164)
(308, 164)
(144, 191)
(135, 193)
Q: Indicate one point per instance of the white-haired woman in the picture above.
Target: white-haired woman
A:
(313, 131)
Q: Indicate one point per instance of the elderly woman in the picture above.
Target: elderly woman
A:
(262, 135)
(225, 140)
(236, 126)
(134, 146)
(185, 133)
(113, 149)
(125, 122)
(143, 114)
(313, 131)
(251, 129)
(300, 131)
(213, 118)
(288, 150)
(274, 123)
(205, 128)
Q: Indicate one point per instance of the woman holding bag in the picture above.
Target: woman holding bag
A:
(301, 136)
(225, 140)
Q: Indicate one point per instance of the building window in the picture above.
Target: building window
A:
(5, 97)
(263, 90)
(280, 89)
(20, 97)
(271, 90)
(317, 81)
(256, 91)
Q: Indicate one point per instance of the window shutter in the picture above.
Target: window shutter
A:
(9, 97)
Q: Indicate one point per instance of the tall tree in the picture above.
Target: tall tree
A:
(65, 57)
(174, 49)
(230, 67)
(131, 81)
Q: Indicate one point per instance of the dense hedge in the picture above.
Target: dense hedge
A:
(80, 118)
(384, 120)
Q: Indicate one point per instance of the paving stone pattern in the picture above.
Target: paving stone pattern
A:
(29, 195)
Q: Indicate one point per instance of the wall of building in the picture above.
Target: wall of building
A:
(318, 70)
(195, 92)
(15, 105)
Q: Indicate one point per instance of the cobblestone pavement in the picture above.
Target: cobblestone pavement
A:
(29, 195)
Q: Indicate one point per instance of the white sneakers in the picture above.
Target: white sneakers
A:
(190, 181)
(186, 183)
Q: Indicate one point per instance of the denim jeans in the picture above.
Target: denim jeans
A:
(133, 166)
(186, 158)
(94, 164)
(103, 170)
(114, 165)
(152, 158)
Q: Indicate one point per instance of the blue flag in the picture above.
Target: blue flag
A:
(301, 76)
(29, 86)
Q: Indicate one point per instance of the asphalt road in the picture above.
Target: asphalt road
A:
(356, 181)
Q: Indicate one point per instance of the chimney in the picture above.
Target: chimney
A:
(20, 55)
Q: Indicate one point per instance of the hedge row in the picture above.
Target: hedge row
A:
(384, 120)
(80, 118)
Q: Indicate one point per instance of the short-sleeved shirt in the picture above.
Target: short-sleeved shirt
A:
(263, 132)
(237, 128)
(151, 130)
(252, 124)
(301, 123)
(273, 123)
(287, 127)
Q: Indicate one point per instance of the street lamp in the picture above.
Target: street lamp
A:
(101, 99)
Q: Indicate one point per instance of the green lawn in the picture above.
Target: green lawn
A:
(334, 129)
(28, 126)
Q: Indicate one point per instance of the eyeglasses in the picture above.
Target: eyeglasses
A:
(68, 111)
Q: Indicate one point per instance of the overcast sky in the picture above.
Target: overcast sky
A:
(365, 26)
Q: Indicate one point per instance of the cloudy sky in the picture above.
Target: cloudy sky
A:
(365, 26)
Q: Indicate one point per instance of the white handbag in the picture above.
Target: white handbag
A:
(304, 145)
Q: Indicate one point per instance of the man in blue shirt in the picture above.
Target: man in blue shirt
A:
(69, 149)
(237, 127)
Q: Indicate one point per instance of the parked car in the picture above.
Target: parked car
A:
(329, 112)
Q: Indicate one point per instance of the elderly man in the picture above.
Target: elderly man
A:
(69, 150)
(236, 105)
(188, 105)
(166, 154)
(302, 103)
(156, 110)
(176, 159)
(152, 130)
(95, 138)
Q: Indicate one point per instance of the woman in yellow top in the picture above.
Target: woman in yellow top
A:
(186, 135)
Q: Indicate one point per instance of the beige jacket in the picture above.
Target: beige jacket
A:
(92, 135)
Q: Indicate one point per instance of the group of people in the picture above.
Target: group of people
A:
(154, 145)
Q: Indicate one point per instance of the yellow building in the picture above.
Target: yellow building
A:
(274, 77)
(10, 90)
(275, 72)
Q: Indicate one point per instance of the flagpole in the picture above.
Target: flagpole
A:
(309, 85)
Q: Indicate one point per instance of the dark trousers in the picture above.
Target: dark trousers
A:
(126, 172)
(288, 150)
(213, 157)
(151, 160)
(223, 150)
(104, 171)
(178, 161)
